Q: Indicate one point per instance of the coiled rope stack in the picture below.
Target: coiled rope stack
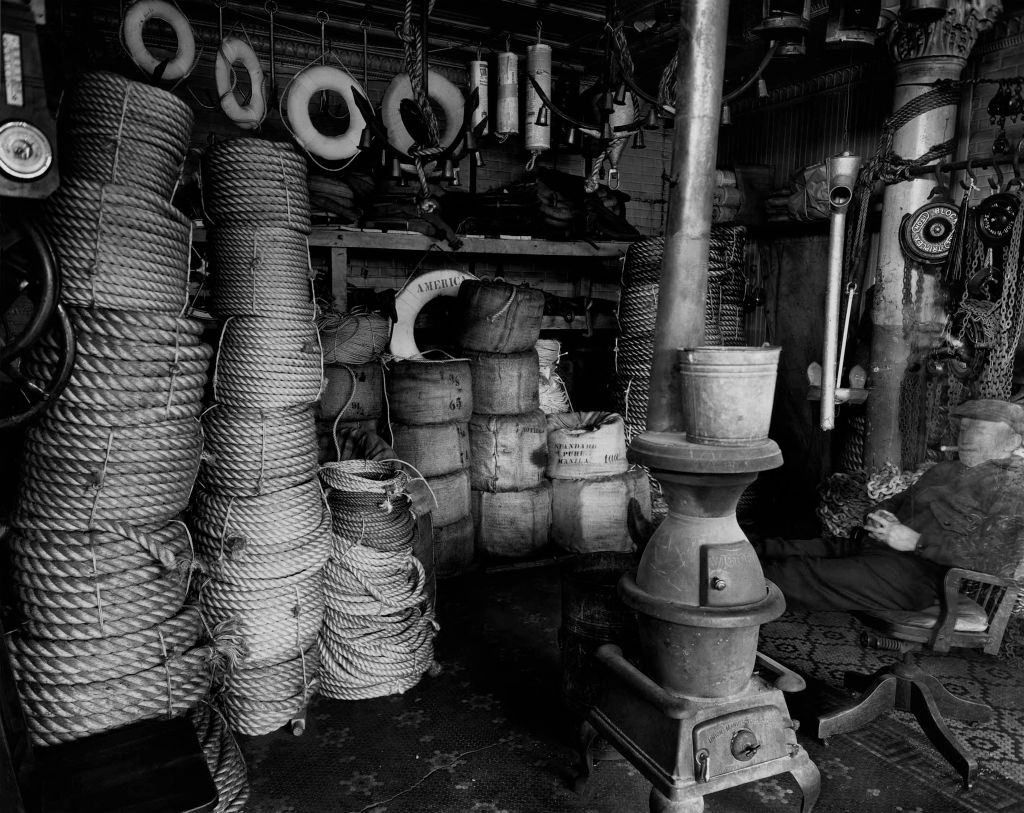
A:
(102, 562)
(262, 527)
(379, 627)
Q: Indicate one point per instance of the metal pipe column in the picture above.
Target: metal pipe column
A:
(684, 269)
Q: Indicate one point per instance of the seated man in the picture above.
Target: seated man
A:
(967, 513)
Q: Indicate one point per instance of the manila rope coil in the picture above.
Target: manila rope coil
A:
(378, 635)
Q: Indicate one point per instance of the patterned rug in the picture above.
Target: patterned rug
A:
(489, 734)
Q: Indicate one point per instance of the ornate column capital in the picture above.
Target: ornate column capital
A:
(953, 35)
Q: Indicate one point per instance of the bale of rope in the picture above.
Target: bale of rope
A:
(256, 699)
(352, 392)
(429, 391)
(118, 247)
(590, 515)
(512, 524)
(224, 757)
(505, 383)
(267, 363)
(248, 181)
(450, 497)
(552, 395)
(454, 546)
(378, 638)
(586, 445)
(250, 452)
(434, 449)
(261, 271)
(117, 131)
(507, 452)
(355, 337)
(498, 317)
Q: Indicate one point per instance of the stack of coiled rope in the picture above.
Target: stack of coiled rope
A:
(379, 627)
(262, 526)
(102, 564)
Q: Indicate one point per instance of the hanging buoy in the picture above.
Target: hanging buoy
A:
(301, 90)
(135, 19)
(508, 95)
(538, 67)
(251, 115)
(478, 82)
(441, 91)
(411, 299)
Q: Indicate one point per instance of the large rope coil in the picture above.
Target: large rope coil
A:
(257, 699)
(261, 271)
(249, 181)
(266, 364)
(115, 130)
(118, 247)
(354, 337)
(250, 452)
(377, 638)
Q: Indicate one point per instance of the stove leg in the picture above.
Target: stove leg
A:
(662, 804)
(585, 743)
(809, 779)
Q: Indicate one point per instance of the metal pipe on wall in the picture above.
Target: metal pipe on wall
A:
(684, 270)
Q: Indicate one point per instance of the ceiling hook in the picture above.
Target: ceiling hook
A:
(997, 182)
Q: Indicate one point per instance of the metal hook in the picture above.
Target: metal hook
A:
(1015, 161)
(967, 187)
(940, 189)
(997, 182)
(270, 7)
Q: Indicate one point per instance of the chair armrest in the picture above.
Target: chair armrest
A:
(952, 582)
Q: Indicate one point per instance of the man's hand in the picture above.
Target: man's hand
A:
(884, 527)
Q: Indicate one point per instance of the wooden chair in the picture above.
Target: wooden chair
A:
(972, 612)
(155, 766)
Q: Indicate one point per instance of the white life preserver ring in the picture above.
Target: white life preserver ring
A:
(249, 116)
(445, 95)
(135, 19)
(410, 301)
(303, 86)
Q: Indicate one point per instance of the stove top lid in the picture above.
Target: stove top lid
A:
(671, 451)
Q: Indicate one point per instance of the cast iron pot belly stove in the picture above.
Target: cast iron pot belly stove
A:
(706, 712)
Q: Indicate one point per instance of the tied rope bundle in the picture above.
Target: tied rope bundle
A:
(118, 247)
(261, 271)
(354, 337)
(552, 393)
(377, 638)
(117, 131)
(256, 699)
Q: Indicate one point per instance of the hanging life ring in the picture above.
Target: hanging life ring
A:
(410, 301)
(135, 19)
(301, 90)
(251, 115)
(441, 91)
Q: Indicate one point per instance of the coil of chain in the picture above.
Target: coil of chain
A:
(356, 337)
(845, 499)
(124, 132)
(224, 758)
(261, 271)
(252, 182)
(378, 638)
(996, 379)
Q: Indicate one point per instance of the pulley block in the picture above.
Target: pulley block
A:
(994, 218)
(927, 234)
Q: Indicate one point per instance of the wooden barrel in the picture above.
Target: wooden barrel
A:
(453, 547)
(512, 524)
(424, 391)
(498, 317)
(586, 445)
(507, 452)
(592, 615)
(354, 390)
(434, 449)
(505, 383)
(590, 515)
(450, 497)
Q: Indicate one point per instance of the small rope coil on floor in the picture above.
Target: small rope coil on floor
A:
(224, 757)
(377, 639)
(265, 364)
(118, 247)
(115, 130)
(354, 337)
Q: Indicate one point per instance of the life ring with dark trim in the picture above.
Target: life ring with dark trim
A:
(410, 301)
(251, 115)
(135, 19)
(303, 86)
(441, 91)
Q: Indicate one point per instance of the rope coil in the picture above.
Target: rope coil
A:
(354, 337)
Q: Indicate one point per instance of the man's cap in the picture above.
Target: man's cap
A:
(992, 409)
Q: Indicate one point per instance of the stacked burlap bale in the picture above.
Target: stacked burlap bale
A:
(102, 563)
(592, 483)
(353, 395)
(511, 499)
(431, 401)
(379, 628)
(262, 526)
